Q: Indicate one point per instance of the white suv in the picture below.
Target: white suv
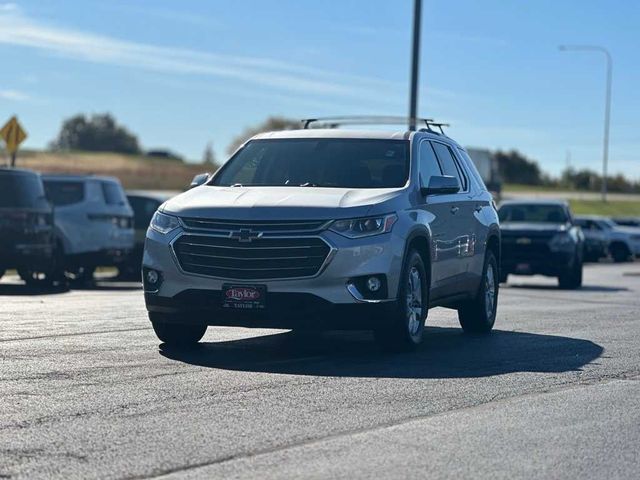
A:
(623, 242)
(93, 222)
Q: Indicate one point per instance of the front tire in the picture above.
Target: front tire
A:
(403, 327)
(45, 278)
(176, 334)
(479, 315)
(572, 278)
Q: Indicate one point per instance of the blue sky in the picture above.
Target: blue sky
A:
(182, 73)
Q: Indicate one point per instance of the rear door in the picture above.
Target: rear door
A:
(445, 230)
(460, 244)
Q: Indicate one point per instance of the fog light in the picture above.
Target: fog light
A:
(152, 277)
(373, 284)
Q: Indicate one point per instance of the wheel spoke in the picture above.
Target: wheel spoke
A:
(414, 301)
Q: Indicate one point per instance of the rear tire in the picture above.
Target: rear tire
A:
(81, 275)
(479, 315)
(619, 252)
(572, 278)
(176, 334)
(402, 328)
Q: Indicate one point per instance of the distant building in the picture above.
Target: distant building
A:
(487, 165)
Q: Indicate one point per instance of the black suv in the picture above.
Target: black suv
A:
(26, 228)
(541, 238)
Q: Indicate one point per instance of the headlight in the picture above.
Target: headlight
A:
(561, 241)
(163, 223)
(364, 227)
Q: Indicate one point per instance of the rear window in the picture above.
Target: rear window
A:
(448, 163)
(113, 194)
(531, 213)
(20, 190)
(319, 162)
(64, 192)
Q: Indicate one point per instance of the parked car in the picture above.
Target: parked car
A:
(26, 228)
(627, 221)
(541, 238)
(93, 222)
(327, 229)
(144, 204)
(623, 242)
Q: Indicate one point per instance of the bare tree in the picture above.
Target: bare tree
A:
(209, 156)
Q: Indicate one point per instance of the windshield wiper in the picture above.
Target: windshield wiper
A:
(236, 185)
(309, 184)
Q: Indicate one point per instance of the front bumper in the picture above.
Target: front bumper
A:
(283, 310)
(304, 297)
(26, 255)
(635, 247)
(552, 264)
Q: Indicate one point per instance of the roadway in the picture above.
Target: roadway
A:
(87, 392)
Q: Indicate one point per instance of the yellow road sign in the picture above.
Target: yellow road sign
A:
(13, 135)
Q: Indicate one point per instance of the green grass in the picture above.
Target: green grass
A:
(609, 209)
(516, 187)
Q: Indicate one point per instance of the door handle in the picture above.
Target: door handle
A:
(454, 210)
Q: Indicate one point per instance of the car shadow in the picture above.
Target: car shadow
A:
(20, 289)
(584, 288)
(106, 286)
(445, 353)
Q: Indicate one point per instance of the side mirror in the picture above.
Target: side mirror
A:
(441, 185)
(199, 179)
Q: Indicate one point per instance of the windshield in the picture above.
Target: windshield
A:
(20, 191)
(607, 224)
(533, 213)
(319, 162)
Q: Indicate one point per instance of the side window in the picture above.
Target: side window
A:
(448, 163)
(61, 193)
(428, 163)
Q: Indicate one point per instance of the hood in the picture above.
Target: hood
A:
(536, 228)
(627, 230)
(276, 203)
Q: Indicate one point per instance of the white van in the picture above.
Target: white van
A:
(93, 222)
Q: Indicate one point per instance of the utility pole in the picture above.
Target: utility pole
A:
(607, 107)
(415, 64)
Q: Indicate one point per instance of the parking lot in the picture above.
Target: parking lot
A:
(88, 392)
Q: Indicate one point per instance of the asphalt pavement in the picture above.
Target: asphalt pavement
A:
(553, 392)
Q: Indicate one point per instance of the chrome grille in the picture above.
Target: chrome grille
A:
(262, 258)
(225, 226)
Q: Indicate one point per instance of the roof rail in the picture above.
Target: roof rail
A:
(333, 122)
(437, 125)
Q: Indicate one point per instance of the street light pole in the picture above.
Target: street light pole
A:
(607, 108)
(415, 62)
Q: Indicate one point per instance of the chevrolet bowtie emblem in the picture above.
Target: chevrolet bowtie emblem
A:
(245, 235)
(523, 241)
